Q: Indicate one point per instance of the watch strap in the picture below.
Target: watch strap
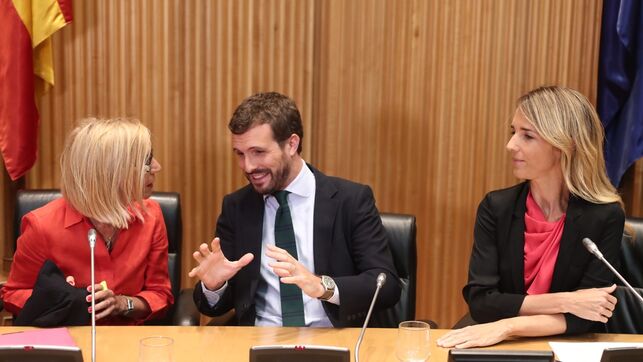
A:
(328, 291)
(130, 306)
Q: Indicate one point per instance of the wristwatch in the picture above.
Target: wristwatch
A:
(329, 287)
(130, 306)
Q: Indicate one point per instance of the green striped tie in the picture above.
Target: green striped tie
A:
(292, 303)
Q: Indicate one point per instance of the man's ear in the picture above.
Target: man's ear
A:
(293, 142)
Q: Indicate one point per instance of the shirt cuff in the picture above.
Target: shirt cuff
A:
(335, 298)
(213, 296)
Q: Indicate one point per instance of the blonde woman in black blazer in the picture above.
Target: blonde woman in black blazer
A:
(556, 146)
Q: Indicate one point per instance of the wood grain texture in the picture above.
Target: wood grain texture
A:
(181, 67)
(233, 343)
(411, 97)
(632, 190)
(415, 99)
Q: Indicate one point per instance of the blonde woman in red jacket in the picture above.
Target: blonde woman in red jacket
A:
(107, 172)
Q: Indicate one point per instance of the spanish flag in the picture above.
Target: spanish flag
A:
(26, 72)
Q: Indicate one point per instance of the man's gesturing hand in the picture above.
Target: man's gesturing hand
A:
(214, 268)
(291, 271)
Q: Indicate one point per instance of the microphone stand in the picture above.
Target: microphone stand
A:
(381, 279)
(592, 248)
(91, 235)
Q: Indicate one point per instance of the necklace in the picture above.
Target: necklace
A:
(102, 229)
(109, 239)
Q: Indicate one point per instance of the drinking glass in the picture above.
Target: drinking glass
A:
(413, 341)
(156, 349)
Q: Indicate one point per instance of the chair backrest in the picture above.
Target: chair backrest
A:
(170, 202)
(632, 252)
(401, 230)
(627, 317)
(628, 314)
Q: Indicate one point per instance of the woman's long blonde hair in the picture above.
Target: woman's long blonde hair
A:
(103, 172)
(568, 121)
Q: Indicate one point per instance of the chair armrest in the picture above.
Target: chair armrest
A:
(186, 313)
(465, 321)
(431, 323)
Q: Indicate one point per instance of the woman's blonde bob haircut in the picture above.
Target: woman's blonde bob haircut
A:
(103, 169)
(565, 119)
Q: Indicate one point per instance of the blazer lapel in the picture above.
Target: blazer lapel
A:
(324, 219)
(516, 238)
(568, 243)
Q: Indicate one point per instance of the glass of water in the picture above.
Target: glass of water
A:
(413, 341)
(156, 349)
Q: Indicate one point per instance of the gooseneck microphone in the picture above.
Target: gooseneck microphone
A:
(91, 236)
(592, 248)
(381, 279)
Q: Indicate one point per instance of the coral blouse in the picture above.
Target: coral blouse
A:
(542, 242)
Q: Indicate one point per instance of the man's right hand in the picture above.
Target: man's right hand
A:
(214, 269)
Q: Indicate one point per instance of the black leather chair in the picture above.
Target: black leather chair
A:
(627, 317)
(628, 314)
(401, 230)
(183, 312)
(632, 252)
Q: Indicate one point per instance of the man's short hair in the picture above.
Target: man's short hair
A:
(272, 108)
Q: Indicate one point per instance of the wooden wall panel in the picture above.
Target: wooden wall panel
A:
(632, 190)
(415, 99)
(411, 97)
(181, 67)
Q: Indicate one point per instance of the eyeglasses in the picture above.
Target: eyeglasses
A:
(148, 161)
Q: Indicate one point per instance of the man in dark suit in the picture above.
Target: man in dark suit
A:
(294, 247)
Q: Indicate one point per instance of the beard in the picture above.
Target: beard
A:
(278, 178)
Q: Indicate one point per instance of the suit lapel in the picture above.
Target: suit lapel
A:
(250, 237)
(568, 243)
(324, 219)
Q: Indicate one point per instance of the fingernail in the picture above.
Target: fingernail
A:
(88, 298)
(89, 309)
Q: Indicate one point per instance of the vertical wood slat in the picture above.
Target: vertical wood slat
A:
(180, 67)
(420, 110)
(411, 97)
(632, 190)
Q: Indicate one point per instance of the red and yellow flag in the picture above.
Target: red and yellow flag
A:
(26, 71)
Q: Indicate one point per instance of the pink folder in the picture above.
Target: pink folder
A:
(41, 337)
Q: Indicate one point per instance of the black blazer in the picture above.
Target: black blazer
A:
(349, 242)
(496, 287)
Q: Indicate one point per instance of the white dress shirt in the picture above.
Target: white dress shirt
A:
(268, 303)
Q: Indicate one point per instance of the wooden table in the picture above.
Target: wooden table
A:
(232, 343)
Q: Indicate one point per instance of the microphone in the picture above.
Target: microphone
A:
(593, 249)
(381, 279)
(91, 236)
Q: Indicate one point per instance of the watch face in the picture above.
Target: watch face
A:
(328, 282)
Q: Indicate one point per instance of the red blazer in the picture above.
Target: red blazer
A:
(137, 265)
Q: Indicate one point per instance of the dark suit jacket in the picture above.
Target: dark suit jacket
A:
(349, 242)
(496, 287)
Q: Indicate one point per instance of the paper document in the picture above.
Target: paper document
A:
(585, 351)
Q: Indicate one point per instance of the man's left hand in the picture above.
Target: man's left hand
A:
(291, 271)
